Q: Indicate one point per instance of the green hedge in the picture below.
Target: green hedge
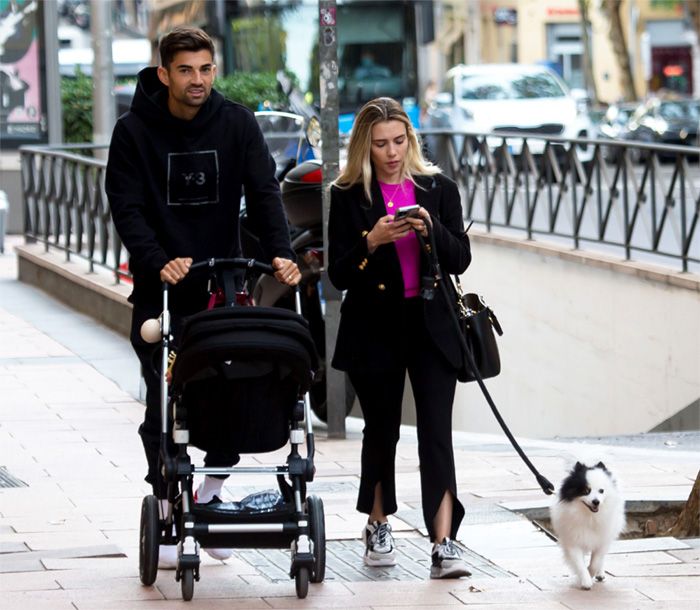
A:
(76, 99)
(251, 90)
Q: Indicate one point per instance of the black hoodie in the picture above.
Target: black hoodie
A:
(174, 186)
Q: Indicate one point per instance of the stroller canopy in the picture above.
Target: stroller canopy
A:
(248, 340)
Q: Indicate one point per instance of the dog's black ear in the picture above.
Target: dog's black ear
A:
(579, 466)
(601, 466)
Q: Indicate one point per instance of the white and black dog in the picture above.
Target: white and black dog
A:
(587, 517)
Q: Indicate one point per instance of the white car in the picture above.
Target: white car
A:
(517, 98)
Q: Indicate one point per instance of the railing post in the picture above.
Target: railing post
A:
(570, 175)
(28, 190)
(525, 157)
(684, 226)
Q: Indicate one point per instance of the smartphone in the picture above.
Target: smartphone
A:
(405, 212)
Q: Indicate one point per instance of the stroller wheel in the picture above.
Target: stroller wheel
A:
(317, 527)
(302, 582)
(187, 582)
(149, 540)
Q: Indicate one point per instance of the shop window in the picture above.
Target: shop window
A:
(565, 50)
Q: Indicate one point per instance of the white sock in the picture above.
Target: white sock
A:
(163, 515)
(209, 488)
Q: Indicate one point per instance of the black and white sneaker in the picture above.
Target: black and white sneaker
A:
(447, 561)
(379, 544)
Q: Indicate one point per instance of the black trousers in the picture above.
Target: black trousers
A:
(149, 356)
(380, 392)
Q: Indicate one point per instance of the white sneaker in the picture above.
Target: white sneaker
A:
(447, 561)
(220, 554)
(167, 553)
(167, 557)
(379, 544)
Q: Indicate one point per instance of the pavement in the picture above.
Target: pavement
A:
(71, 468)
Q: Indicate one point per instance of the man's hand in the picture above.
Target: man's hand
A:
(286, 271)
(175, 270)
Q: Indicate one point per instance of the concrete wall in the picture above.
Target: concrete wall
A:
(590, 346)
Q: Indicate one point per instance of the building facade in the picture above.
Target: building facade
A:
(661, 41)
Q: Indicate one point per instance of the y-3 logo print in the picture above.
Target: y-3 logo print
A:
(193, 178)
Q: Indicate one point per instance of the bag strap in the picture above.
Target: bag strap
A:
(543, 482)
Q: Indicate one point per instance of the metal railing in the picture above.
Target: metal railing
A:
(634, 200)
(65, 205)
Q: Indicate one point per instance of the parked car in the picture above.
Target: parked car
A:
(665, 121)
(517, 98)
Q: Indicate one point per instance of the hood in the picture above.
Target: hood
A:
(151, 102)
(492, 114)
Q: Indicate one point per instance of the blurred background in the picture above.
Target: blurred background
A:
(609, 52)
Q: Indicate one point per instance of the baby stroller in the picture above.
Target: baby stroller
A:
(240, 380)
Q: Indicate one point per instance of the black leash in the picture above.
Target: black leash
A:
(437, 278)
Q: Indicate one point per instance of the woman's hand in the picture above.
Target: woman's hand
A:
(421, 222)
(286, 271)
(387, 230)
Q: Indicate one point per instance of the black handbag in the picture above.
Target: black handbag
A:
(477, 322)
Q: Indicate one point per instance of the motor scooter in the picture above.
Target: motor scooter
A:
(300, 182)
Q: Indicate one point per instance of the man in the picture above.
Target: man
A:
(178, 162)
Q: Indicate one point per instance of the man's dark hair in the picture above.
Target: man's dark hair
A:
(183, 38)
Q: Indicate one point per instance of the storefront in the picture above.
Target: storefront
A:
(670, 57)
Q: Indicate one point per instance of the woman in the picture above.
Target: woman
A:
(394, 320)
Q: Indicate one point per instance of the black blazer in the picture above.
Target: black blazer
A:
(374, 283)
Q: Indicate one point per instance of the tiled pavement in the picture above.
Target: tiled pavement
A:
(68, 538)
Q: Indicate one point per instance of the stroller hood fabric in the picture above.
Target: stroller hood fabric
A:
(239, 371)
(243, 336)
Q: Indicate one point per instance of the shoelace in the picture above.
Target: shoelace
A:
(383, 532)
(449, 549)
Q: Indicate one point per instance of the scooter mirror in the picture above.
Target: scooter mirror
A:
(150, 331)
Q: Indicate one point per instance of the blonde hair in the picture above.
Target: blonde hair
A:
(358, 168)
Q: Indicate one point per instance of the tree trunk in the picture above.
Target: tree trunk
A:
(583, 6)
(611, 8)
(688, 523)
(694, 16)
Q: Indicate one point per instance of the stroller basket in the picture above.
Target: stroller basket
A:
(239, 371)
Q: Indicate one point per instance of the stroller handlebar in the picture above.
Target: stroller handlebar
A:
(249, 264)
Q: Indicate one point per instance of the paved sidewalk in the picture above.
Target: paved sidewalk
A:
(71, 488)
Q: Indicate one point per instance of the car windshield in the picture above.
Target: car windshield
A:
(510, 86)
(680, 110)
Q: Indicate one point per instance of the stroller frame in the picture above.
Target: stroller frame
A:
(298, 523)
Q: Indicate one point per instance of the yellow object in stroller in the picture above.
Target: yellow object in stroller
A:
(240, 382)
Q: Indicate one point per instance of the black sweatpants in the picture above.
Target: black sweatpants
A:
(380, 392)
(149, 356)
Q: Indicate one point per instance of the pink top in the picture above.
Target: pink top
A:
(397, 196)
